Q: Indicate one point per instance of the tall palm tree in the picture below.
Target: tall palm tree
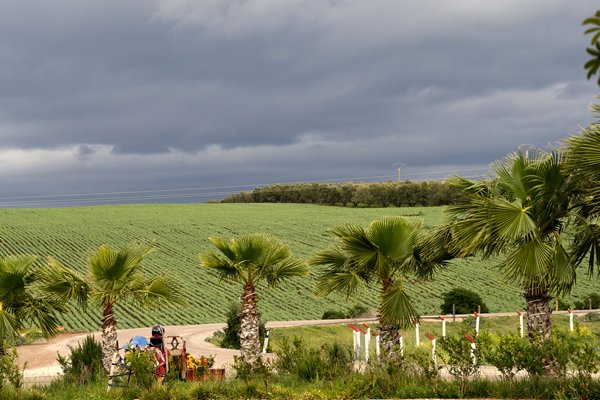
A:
(248, 260)
(582, 163)
(521, 216)
(113, 275)
(23, 302)
(386, 252)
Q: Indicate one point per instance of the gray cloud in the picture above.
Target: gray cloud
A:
(338, 88)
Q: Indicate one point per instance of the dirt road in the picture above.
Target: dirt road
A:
(40, 357)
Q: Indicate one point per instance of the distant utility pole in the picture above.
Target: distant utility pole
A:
(399, 165)
(527, 146)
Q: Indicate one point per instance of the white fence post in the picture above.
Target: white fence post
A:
(570, 320)
(433, 347)
(401, 345)
(470, 339)
(443, 326)
(266, 342)
(367, 341)
(476, 323)
(417, 335)
(521, 330)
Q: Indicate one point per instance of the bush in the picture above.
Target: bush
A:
(357, 311)
(231, 333)
(142, 367)
(461, 359)
(465, 301)
(84, 364)
(591, 317)
(333, 314)
(10, 374)
(584, 303)
(327, 362)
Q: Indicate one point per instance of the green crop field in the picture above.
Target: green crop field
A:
(181, 231)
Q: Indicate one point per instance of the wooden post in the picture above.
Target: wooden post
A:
(453, 312)
(590, 301)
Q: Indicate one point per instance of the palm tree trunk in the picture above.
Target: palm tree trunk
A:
(249, 339)
(389, 334)
(538, 313)
(539, 324)
(109, 336)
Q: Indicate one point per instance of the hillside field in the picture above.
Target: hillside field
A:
(180, 232)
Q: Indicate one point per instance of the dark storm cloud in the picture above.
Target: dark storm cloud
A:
(146, 91)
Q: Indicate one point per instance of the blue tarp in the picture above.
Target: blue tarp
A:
(137, 342)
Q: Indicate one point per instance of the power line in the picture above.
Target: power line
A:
(51, 196)
(176, 194)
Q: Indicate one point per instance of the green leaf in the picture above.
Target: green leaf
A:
(396, 307)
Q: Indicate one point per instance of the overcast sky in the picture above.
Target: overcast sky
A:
(122, 96)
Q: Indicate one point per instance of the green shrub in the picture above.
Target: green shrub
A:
(591, 317)
(505, 355)
(584, 302)
(231, 333)
(10, 374)
(333, 314)
(142, 367)
(461, 359)
(327, 362)
(84, 364)
(465, 301)
(357, 311)
(256, 369)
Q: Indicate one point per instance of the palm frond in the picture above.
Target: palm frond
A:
(223, 247)
(156, 291)
(224, 267)
(8, 325)
(345, 282)
(41, 311)
(333, 257)
(396, 307)
(287, 268)
(63, 283)
(562, 272)
(529, 264)
(510, 220)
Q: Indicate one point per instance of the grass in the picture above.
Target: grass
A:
(181, 230)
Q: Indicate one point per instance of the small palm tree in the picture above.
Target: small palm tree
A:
(113, 275)
(248, 260)
(388, 251)
(521, 216)
(23, 302)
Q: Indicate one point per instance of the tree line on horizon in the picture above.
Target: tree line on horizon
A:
(350, 194)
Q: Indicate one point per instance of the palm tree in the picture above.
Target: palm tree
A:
(113, 275)
(389, 250)
(23, 302)
(249, 259)
(521, 215)
(582, 163)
